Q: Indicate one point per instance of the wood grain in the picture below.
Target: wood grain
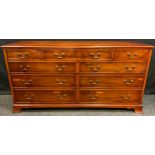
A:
(77, 74)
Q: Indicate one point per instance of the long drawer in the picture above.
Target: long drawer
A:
(45, 67)
(104, 54)
(110, 96)
(124, 81)
(34, 80)
(91, 96)
(45, 96)
(113, 67)
(85, 67)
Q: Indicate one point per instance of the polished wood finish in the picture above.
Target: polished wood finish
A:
(43, 81)
(108, 81)
(112, 96)
(112, 67)
(34, 96)
(23, 54)
(77, 74)
(76, 44)
(40, 67)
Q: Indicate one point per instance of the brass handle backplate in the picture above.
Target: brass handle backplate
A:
(60, 82)
(59, 55)
(95, 55)
(61, 95)
(130, 68)
(24, 68)
(28, 96)
(94, 82)
(128, 82)
(27, 82)
(124, 97)
(60, 67)
(132, 55)
(92, 95)
(94, 68)
(22, 55)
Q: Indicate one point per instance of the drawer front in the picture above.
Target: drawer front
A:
(59, 54)
(94, 54)
(43, 67)
(111, 81)
(112, 67)
(110, 96)
(132, 55)
(45, 95)
(23, 54)
(43, 81)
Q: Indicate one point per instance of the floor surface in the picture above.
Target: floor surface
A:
(6, 109)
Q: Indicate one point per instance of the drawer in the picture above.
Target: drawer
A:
(94, 54)
(132, 55)
(23, 54)
(113, 67)
(111, 81)
(43, 67)
(43, 81)
(110, 96)
(59, 54)
(45, 95)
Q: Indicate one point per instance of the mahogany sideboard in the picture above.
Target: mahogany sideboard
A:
(77, 74)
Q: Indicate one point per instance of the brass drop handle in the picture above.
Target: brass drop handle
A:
(59, 55)
(26, 68)
(95, 55)
(61, 96)
(61, 82)
(128, 82)
(93, 96)
(130, 68)
(94, 82)
(94, 68)
(60, 67)
(132, 56)
(29, 96)
(27, 82)
(125, 97)
(22, 55)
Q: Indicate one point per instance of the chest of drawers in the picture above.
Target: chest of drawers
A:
(77, 74)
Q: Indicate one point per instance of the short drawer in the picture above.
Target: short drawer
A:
(112, 67)
(94, 54)
(110, 96)
(132, 55)
(111, 81)
(43, 81)
(59, 54)
(42, 67)
(23, 54)
(45, 96)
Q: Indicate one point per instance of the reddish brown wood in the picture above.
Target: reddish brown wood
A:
(132, 54)
(23, 54)
(43, 81)
(39, 67)
(138, 109)
(108, 81)
(113, 67)
(110, 96)
(76, 44)
(34, 96)
(77, 74)
(16, 109)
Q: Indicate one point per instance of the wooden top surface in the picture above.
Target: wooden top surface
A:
(76, 44)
